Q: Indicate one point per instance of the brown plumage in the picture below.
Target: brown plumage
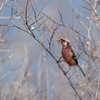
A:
(68, 54)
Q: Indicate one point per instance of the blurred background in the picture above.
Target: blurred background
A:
(29, 30)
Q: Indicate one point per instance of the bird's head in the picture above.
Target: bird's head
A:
(64, 42)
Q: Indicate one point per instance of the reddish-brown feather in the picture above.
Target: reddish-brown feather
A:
(67, 55)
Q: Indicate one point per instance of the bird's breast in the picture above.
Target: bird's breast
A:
(67, 56)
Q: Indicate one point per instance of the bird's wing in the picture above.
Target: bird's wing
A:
(75, 59)
(73, 54)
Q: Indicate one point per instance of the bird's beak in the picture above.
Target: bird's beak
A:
(58, 40)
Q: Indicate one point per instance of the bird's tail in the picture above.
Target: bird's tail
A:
(81, 70)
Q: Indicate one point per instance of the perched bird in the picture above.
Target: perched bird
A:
(68, 54)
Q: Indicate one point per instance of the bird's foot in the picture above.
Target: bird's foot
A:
(65, 73)
(60, 57)
(58, 61)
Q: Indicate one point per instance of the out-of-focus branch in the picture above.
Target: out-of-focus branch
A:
(9, 72)
(52, 37)
(98, 85)
(93, 7)
(3, 3)
(84, 36)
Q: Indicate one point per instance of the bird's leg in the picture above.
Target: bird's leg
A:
(59, 59)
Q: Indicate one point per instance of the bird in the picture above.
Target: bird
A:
(68, 54)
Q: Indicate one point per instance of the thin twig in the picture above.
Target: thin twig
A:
(52, 36)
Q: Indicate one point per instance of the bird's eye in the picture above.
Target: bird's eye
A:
(63, 40)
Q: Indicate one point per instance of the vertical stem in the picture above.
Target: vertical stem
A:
(96, 94)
